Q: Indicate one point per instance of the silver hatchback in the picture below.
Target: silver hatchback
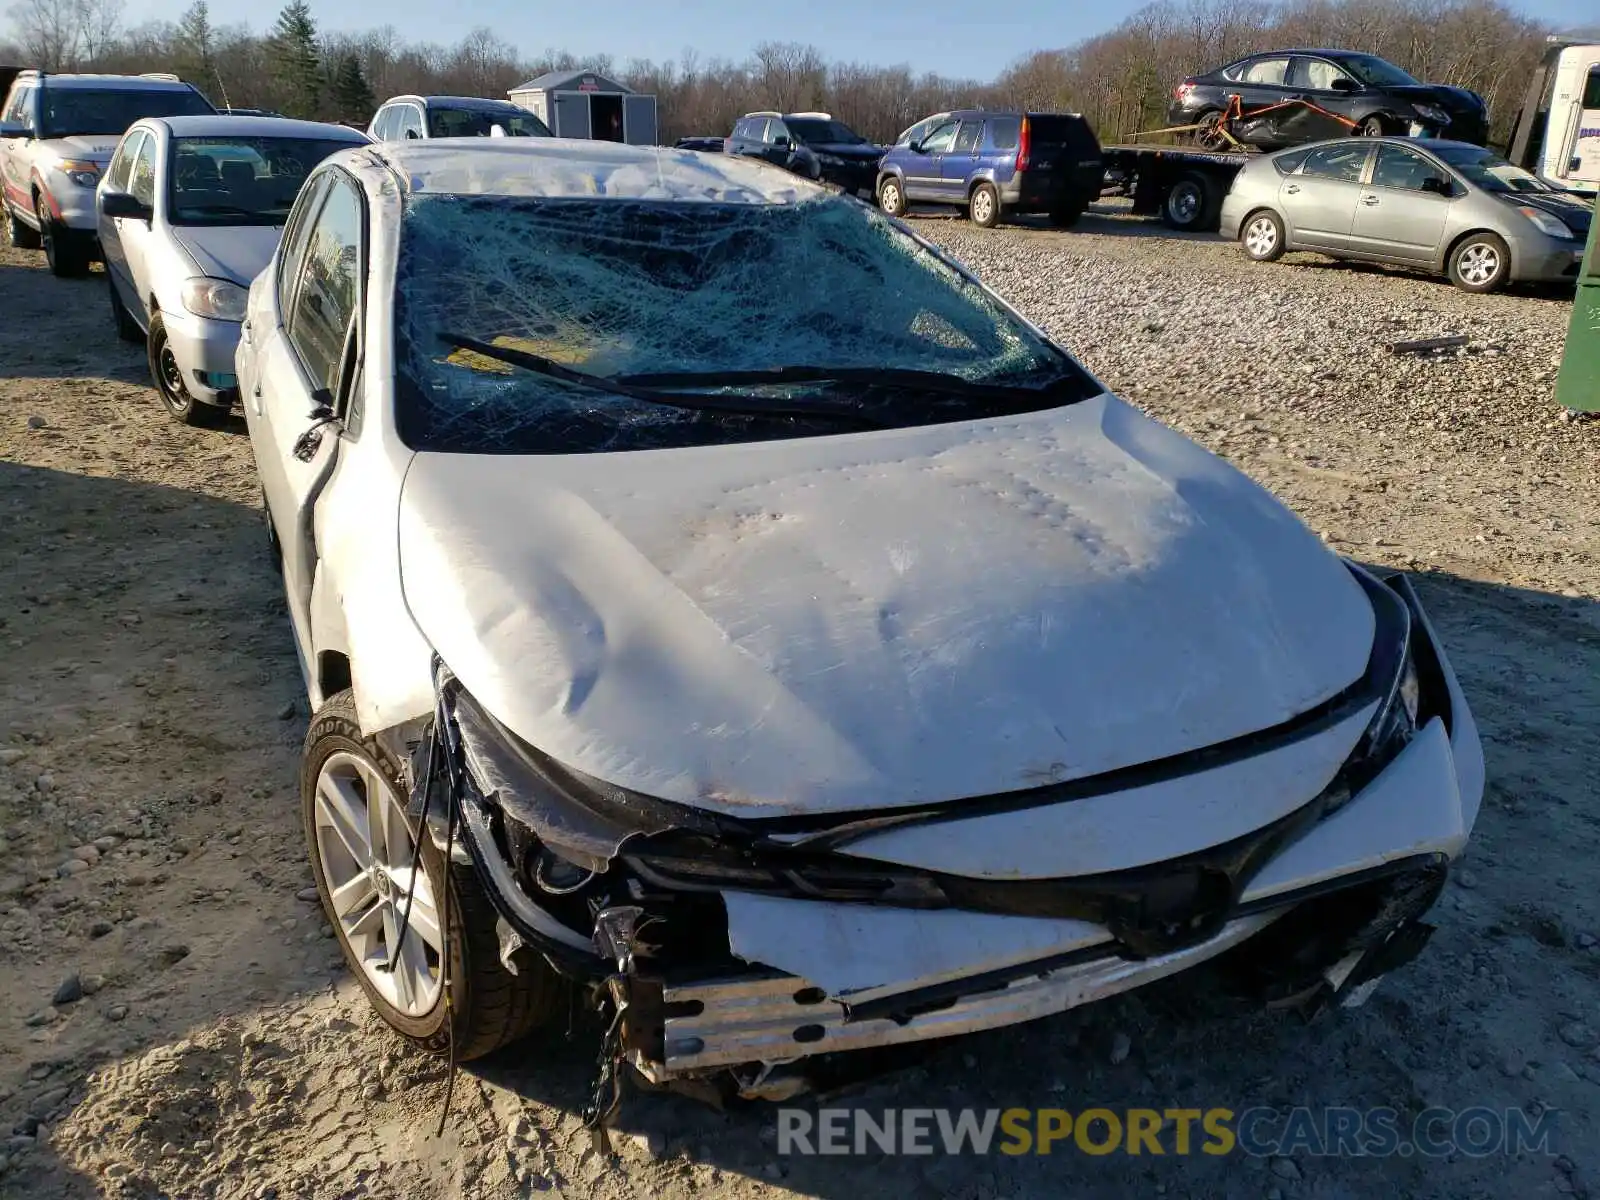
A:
(1448, 207)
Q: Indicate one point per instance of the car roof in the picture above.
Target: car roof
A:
(121, 83)
(226, 125)
(1323, 52)
(459, 101)
(579, 168)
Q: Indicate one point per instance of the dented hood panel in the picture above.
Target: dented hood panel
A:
(880, 619)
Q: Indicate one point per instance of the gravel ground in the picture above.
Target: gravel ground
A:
(176, 1020)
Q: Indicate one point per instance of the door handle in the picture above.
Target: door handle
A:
(1292, 189)
(255, 398)
(244, 332)
(1369, 201)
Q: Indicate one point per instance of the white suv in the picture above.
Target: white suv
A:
(57, 133)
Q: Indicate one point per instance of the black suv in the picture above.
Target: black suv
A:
(809, 144)
(1376, 96)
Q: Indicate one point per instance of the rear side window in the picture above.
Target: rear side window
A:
(1289, 163)
(1340, 161)
(1591, 89)
(1068, 132)
(1003, 132)
(1266, 71)
(967, 138)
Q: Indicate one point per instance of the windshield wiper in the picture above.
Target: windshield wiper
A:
(937, 382)
(231, 210)
(746, 406)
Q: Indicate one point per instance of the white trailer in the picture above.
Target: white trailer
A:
(585, 104)
(1556, 134)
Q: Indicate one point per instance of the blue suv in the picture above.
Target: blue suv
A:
(993, 163)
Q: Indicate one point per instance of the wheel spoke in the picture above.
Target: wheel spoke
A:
(416, 980)
(341, 810)
(351, 895)
(424, 913)
(369, 922)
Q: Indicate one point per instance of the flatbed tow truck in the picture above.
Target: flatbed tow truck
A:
(1182, 185)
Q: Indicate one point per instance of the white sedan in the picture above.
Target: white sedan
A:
(757, 614)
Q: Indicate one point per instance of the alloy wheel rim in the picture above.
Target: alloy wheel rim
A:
(1479, 264)
(982, 207)
(366, 850)
(47, 242)
(1261, 237)
(891, 198)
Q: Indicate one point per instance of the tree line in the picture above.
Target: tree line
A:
(1121, 80)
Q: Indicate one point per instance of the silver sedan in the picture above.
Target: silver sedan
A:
(190, 211)
(1448, 207)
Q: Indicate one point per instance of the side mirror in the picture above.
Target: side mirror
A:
(124, 205)
(782, 143)
(13, 129)
(915, 146)
(1342, 84)
(412, 133)
(1438, 185)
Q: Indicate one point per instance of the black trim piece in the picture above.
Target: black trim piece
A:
(906, 1006)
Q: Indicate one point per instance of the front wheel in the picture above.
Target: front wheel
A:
(167, 374)
(984, 206)
(63, 253)
(890, 198)
(362, 849)
(1373, 126)
(19, 233)
(1262, 236)
(1481, 262)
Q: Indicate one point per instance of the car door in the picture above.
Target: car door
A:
(1403, 211)
(1264, 82)
(135, 236)
(304, 361)
(1330, 88)
(924, 165)
(777, 143)
(960, 163)
(747, 137)
(118, 177)
(13, 151)
(1319, 200)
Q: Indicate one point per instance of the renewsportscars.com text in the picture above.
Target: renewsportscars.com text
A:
(1343, 1132)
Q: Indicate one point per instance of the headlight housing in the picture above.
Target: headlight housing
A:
(219, 299)
(1431, 112)
(80, 170)
(1547, 223)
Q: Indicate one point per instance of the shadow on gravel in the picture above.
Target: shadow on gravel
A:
(1560, 292)
(1448, 1030)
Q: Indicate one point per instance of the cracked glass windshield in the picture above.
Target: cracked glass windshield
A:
(694, 296)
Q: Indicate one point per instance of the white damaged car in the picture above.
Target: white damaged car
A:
(708, 592)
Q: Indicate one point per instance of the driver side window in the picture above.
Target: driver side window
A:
(329, 289)
(142, 182)
(122, 166)
(1318, 74)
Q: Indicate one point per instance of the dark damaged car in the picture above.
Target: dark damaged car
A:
(1343, 92)
(793, 682)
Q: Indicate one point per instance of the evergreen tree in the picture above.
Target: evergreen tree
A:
(295, 61)
(194, 49)
(351, 94)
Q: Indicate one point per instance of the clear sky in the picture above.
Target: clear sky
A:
(951, 37)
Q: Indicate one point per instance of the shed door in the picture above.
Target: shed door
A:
(570, 111)
(639, 120)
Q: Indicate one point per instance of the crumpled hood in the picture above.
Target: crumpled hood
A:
(236, 252)
(97, 148)
(880, 619)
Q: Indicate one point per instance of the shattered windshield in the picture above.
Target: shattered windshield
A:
(606, 291)
(815, 131)
(1374, 71)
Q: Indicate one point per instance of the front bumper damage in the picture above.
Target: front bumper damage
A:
(746, 946)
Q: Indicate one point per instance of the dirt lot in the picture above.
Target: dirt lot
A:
(206, 1041)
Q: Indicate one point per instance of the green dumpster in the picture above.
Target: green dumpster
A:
(1578, 387)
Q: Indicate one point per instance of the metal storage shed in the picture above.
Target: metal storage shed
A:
(583, 104)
